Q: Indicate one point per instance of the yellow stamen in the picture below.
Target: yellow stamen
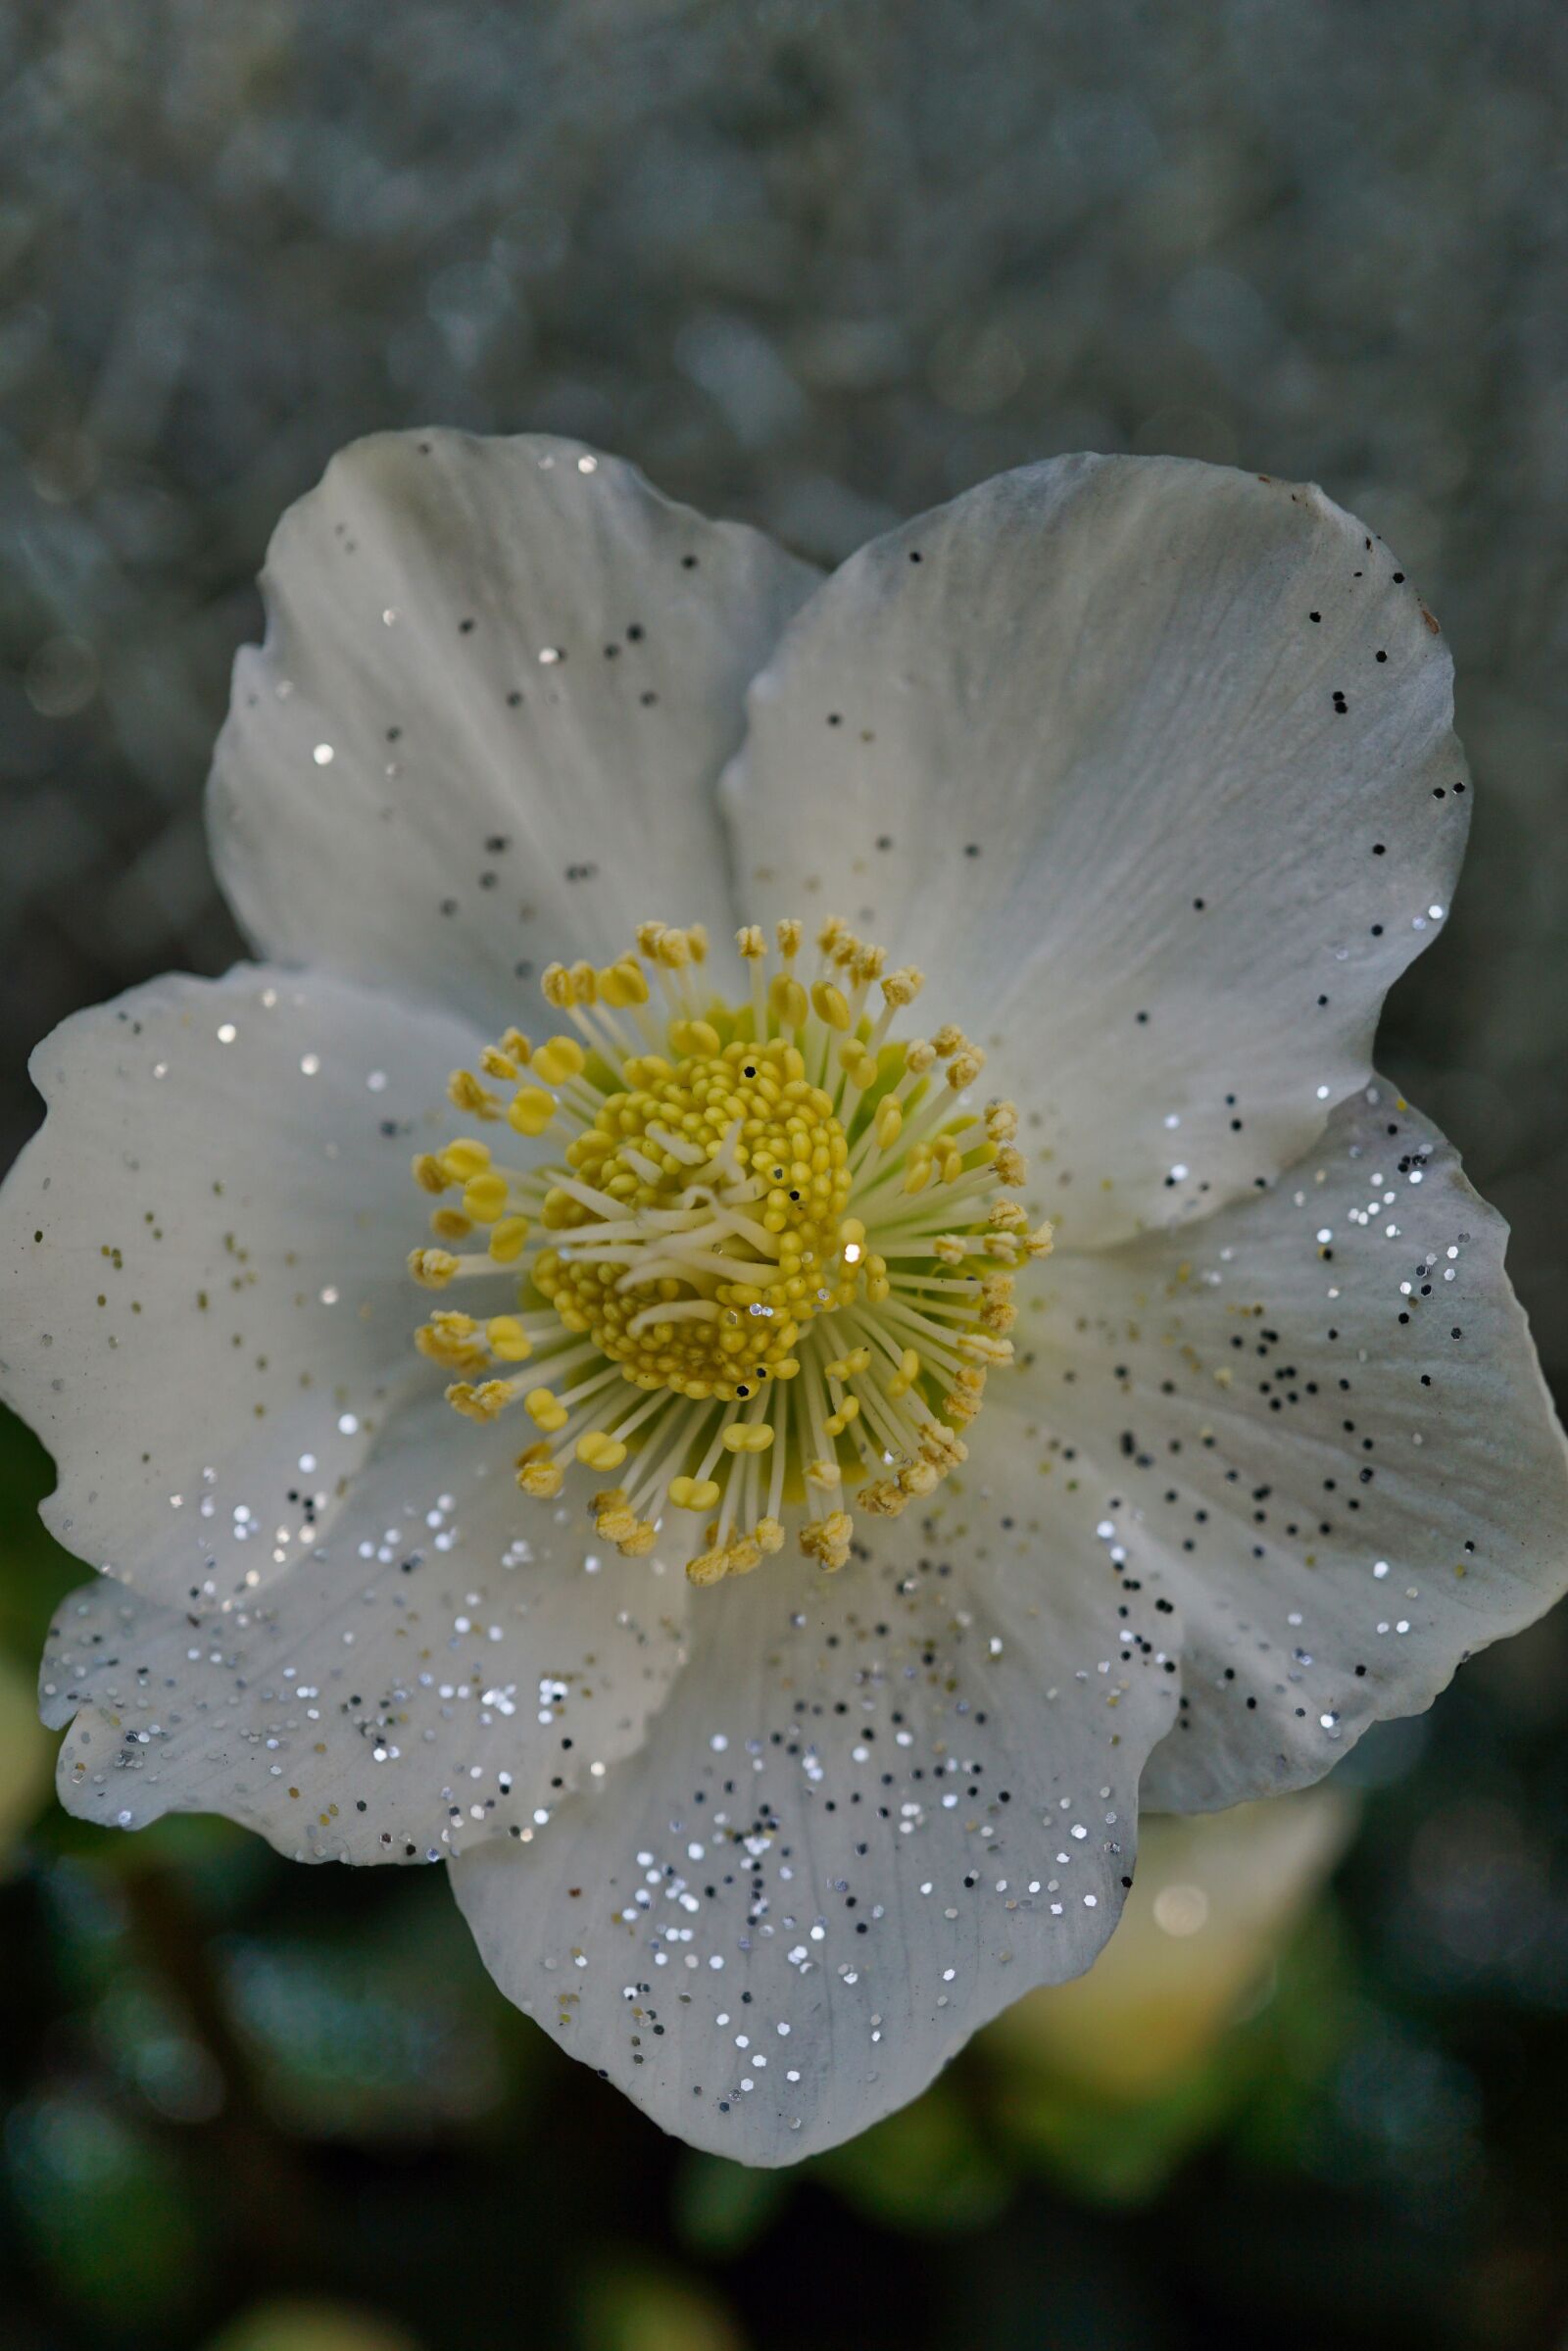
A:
(736, 1278)
(545, 1410)
(531, 1110)
(562, 1057)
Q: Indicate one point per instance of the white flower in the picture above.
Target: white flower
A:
(1147, 767)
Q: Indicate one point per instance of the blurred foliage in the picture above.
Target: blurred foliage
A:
(293, 2325)
(818, 263)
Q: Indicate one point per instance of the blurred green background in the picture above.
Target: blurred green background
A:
(818, 265)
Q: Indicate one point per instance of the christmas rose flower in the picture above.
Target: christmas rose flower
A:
(787, 1288)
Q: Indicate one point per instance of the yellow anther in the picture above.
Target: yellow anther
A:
(750, 943)
(789, 934)
(831, 932)
(1041, 1241)
(889, 1121)
(648, 935)
(941, 1449)
(858, 1063)
(949, 1159)
(828, 1539)
(672, 949)
(531, 1110)
(508, 1338)
(464, 1158)
(640, 1542)
(1011, 1165)
(484, 1197)
(562, 1057)
(978, 1346)
(584, 983)
(498, 1064)
(454, 1340)
(918, 1168)
(769, 1535)
(508, 1239)
(554, 985)
(695, 1037)
(613, 1517)
(449, 1224)
(907, 1373)
(539, 1473)
(827, 1002)
(465, 1093)
(902, 987)
(688, 1495)
(1002, 1121)
(545, 1410)
(709, 1567)
(950, 1247)
(600, 1450)
(946, 1040)
(919, 1057)
(1007, 1216)
(750, 1437)
(432, 1268)
(617, 987)
(696, 942)
(787, 1001)
(965, 1067)
(745, 1556)
(428, 1172)
(868, 963)
(485, 1403)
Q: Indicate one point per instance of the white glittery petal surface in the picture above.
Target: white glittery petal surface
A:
(1150, 763)
(876, 1809)
(439, 1670)
(1318, 1422)
(208, 1310)
(499, 680)
(1149, 767)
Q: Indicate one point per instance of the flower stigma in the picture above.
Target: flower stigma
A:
(766, 1263)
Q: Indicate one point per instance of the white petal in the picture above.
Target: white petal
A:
(204, 1255)
(1073, 745)
(1316, 1421)
(875, 1810)
(500, 679)
(450, 1661)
